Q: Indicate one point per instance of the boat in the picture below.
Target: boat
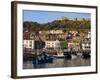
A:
(42, 59)
(68, 56)
(59, 55)
(73, 56)
(86, 56)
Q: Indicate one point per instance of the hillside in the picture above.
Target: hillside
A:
(64, 24)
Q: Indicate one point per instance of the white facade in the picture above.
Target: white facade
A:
(52, 44)
(89, 35)
(54, 32)
(85, 46)
(28, 44)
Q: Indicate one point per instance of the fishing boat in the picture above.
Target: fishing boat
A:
(59, 55)
(42, 59)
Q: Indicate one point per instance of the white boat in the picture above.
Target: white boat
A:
(59, 55)
(74, 56)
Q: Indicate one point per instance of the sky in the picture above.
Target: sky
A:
(48, 16)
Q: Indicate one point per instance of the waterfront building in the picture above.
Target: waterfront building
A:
(70, 46)
(52, 44)
(28, 44)
(86, 44)
(73, 46)
(89, 35)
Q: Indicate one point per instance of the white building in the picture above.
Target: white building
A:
(52, 44)
(54, 32)
(86, 43)
(28, 44)
(85, 46)
(89, 35)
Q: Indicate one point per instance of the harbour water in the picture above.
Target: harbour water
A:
(58, 62)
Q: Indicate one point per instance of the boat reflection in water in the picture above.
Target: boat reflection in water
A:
(47, 61)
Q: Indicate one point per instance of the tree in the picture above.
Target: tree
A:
(63, 44)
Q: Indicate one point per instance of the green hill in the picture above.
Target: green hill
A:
(64, 24)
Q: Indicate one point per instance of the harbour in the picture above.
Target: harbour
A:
(57, 63)
(53, 46)
(67, 59)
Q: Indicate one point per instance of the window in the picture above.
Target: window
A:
(30, 42)
(30, 45)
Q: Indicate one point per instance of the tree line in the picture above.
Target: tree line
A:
(65, 24)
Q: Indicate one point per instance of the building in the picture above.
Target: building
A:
(73, 46)
(54, 32)
(71, 19)
(53, 35)
(51, 32)
(28, 44)
(52, 44)
(86, 44)
(89, 35)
